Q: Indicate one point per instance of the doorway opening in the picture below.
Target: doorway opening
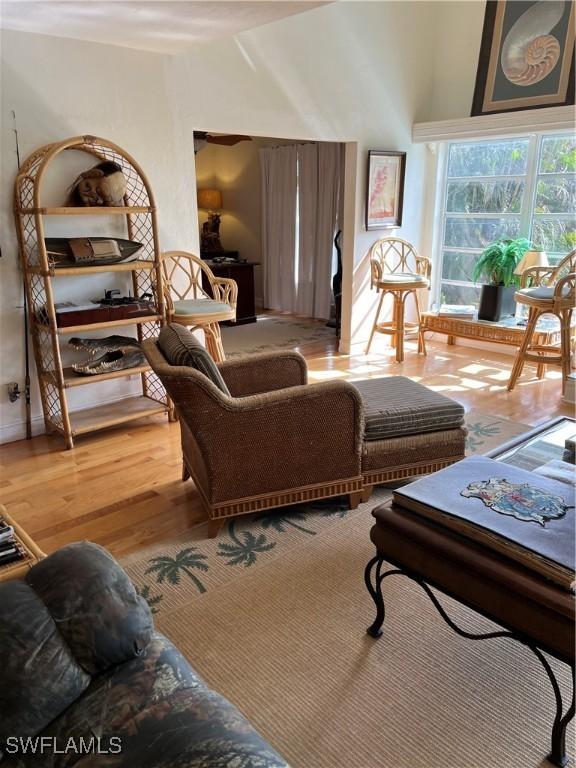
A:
(270, 211)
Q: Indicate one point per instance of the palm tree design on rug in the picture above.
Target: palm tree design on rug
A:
(152, 600)
(243, 551)
(484, 430)
(279, 520)
(477, 430)
(170, 568)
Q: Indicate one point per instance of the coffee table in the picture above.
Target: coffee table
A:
(530, 609)
(509, 331)
(32, 553)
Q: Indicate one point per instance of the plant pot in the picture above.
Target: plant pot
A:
(496, 302)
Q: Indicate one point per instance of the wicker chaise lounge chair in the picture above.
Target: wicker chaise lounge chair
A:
(256, 436)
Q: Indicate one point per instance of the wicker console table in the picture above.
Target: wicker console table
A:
(506, 331)
(32, 552)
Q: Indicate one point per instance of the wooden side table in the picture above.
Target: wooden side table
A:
(33, 553)
(243, 273)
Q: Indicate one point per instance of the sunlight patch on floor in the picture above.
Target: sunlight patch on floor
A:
(365, 369)
(326, 375)
(475, 369)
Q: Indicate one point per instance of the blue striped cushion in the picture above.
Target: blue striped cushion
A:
(396, 406)
(180, 347)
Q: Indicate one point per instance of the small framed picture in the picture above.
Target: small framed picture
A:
(526, 56)
(385, 189)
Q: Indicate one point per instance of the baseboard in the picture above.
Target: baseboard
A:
(10, 433)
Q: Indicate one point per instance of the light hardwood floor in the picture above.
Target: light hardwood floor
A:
(122, 487)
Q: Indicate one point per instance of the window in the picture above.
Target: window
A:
(518, 187)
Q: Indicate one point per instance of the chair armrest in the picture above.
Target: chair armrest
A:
(276, 441)
(375, 272)
(225, 289)
(534, 276)
(264, 373)
(424, 266)
(565, 288)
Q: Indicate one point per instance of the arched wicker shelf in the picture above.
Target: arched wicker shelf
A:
(39, 270)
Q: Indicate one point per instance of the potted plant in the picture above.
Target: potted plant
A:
(495, 268)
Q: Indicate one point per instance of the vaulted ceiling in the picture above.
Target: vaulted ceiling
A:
(163, 27)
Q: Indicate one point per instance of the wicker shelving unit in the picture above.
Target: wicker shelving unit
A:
(39, 271)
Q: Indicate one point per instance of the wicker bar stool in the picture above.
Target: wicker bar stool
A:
(397, 269)
(547, 290)
(192, 305)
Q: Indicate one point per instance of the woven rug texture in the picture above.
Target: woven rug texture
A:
(273, 615)
(273, 332)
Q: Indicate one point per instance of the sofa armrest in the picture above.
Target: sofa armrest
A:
(263, 373)
(274, 441)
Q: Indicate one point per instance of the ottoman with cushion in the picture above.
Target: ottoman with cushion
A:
(256, 435)
(408, 429)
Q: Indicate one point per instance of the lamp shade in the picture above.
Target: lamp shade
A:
(210, 199)
(531, 259)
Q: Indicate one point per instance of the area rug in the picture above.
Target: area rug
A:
(273, 332)
(273, 614)
(170, 573)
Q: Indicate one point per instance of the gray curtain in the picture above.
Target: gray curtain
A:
(279, 170)
(318, 192)
(300, 199)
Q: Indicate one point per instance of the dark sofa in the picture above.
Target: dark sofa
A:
(79, 658)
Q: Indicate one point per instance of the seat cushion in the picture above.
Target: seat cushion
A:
(403, 277)
(39, 676)
(161, 713)
(200, 307)
(180, 347)
(94, 604)
(543, 292)
(396, 406)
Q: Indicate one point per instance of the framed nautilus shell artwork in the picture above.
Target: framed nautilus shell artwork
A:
(526, 56)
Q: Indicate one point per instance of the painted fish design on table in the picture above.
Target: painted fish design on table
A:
(520, 500)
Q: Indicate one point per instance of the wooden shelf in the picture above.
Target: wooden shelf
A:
(73, 379)
(96, 210)
(129, 266)
(109, 414)
(96, 326)
(140, 224)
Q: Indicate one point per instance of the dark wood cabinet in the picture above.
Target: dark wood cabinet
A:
(243, 273)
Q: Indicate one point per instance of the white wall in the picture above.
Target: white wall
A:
(61, 88)
(357, 72)
(456, 49)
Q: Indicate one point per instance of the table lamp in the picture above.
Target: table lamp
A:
(531, 259)
(211, 201)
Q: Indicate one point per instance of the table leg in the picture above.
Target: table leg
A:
(451, 341)
(374, 587)
(374, 577)
(557, 754)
